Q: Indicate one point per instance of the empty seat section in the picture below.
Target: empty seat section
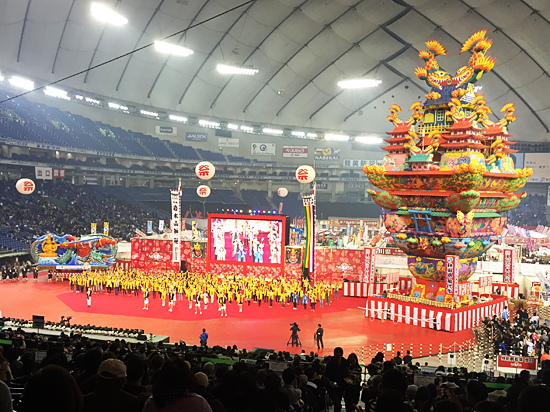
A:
(184, 152)
(154, 145)
(211, 156)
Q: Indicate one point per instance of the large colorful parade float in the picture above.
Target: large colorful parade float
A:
(446, 184)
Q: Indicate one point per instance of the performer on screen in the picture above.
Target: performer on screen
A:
(89, 297)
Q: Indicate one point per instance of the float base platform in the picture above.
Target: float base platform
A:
(432, 317)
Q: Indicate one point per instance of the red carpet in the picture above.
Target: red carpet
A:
(345, 325)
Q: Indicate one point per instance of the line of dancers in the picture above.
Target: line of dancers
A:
(202, 290)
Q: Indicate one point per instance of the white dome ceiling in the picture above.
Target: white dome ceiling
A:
(301, 48)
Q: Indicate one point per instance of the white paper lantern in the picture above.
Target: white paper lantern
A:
(203, 191)
(25, 186)
(305, 174)
(282, 191)
(205, 170)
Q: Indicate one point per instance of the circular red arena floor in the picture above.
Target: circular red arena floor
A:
(344, 322)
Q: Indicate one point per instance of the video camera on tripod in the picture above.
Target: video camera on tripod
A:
(294, 339)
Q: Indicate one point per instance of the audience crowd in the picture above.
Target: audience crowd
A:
(524, 335)
(79, 374)
(65, 209)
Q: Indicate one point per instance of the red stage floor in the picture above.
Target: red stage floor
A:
(344, 323)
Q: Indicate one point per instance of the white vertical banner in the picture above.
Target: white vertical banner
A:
(161, 226)
(176, 225)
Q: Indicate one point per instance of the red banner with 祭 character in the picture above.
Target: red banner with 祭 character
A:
(508, 266)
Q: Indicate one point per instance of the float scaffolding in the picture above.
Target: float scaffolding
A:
(446, 183)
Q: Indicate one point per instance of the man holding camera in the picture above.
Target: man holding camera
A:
(294, 334)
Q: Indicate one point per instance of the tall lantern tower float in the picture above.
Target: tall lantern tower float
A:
(447, 179)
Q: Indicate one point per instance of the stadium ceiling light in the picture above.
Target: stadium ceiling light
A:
(148, 113)
(226, 69)
(359, 83)
(276, 132)
(312, 135)
(208, 123)
(298, 134)
(170, 48)
(232, 126)
(92, 101)
(79, 97)
(106, 14)
(368, 139)
(55, 92)
(178, 118)
(247, 129)
(336, 137)
(21, 83)
(1, 78)
(117, 106)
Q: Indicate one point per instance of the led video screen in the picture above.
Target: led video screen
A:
(246, 240)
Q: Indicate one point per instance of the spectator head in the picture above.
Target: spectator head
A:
(112, 372)
(272, 382)
(221, 372)
(289, 376)
(209, 369)
(261, 375)
(408, 352)
(446, 406)
(173, 381)
(411, 392)
(534, 398)
(488, 406)
(387, 365)
(525, 376)
(338, 352)
(352, 359)
(156, 362)
(390, 401)
(394, 380)
(134, 370)
(201, 379)
(476, 392)
(398, 353)
(52, 389)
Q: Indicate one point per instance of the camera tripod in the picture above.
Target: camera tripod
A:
(299, 343)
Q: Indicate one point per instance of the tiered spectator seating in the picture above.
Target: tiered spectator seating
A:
(184, 152)
(237, 159)
(154, 145)
(211, 156)
(128, 141)
(256, 199)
